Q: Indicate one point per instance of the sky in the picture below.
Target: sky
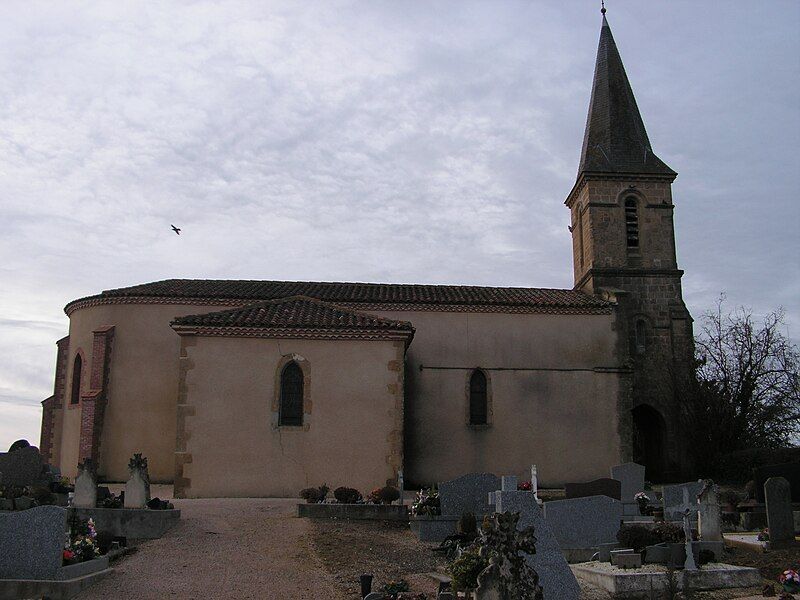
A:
(410, 142)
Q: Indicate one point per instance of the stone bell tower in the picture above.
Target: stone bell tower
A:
(624, 249)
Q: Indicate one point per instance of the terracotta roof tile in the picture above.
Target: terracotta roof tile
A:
(296, 312)
(398, 296)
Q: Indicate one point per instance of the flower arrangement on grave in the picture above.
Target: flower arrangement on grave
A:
(790, 579)
(81, 544)
(525, 486)
(643, 500)
(763, 535)
(465, 569)
(426, 503)
(346, 495)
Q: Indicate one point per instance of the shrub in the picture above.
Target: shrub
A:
(314, 495)
(388, 494)
(465, 570)
(467, 525)
(636, 537)
(668, 532)
(738, 467)
(346, 495)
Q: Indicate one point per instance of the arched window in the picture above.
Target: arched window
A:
(77, 368)
(291, 410)
(478, 408)
(631, 222)
(641, 336)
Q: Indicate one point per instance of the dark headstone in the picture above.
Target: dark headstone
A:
(19, 444)
(789, 471)
(631, 475)
(468, 494)
(779, 512)
(584, 522)
(23, 467)
(32, 543)
(599, 487)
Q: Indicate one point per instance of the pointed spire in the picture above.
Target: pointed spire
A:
(615, 140)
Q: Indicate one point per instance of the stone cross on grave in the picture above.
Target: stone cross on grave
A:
(535, 482)
(689, 565)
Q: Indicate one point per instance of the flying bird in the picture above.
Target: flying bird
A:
(175, 229)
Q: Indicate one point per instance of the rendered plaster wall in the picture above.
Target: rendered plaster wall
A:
(230, 442)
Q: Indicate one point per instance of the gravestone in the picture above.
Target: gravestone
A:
(555, 576)
(584, 522)
(631, 477)
(137, 489)
(780, 520)
(689, 565)
(678, 498)
(789, 471)
(23, 467)
(32, 542)
(599, 487)
(508, 483)
(468, 493)
(709, 515)
(85, 486)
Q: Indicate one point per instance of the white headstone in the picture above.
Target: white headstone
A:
(709, 516)
(136, 490)
(85, 487)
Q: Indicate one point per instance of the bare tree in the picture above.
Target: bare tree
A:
(746, 392)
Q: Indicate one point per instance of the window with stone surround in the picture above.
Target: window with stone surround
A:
(291, 400)
(77, 371)
(631, 222)
(478, 398)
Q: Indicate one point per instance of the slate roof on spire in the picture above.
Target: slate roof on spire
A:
(615, 140)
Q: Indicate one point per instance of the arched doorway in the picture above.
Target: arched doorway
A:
(649, 438)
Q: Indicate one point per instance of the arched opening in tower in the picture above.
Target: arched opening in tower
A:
(649, 436)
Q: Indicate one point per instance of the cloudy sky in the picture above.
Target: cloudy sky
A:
(413, 141)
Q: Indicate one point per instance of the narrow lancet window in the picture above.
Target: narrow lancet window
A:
(641, 336)
(631, 223)
(77, 368)
(291, 410)
(478, 409)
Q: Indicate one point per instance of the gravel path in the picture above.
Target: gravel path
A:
(224, 548)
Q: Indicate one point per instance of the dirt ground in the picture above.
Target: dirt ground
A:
(389, 551)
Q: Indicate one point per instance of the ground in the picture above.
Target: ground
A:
(257, 548)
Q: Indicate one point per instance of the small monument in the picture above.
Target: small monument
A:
(709, 515)
(85, 486)
(535, 482)
(137, 490)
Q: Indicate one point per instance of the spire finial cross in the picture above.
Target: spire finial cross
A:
(603, 6)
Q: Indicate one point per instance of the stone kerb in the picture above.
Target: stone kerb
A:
(555, 576)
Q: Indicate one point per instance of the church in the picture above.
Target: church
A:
(261, 388)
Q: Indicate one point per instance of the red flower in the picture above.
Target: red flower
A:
(69, 555)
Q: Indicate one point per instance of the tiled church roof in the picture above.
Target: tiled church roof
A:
(615, 140)
(374, 295)
(296, 312)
